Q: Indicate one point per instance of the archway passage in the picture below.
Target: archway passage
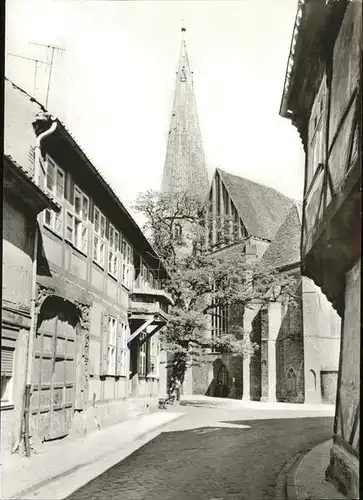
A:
(54, 372)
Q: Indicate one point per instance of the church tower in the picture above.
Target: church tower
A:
(185, 168)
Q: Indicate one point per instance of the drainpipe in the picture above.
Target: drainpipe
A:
(37, 156)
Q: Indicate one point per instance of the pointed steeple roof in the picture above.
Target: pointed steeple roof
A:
(185, 168)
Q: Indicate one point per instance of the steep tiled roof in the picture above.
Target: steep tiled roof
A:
(261, 208)
(285, 248)
(25, 176)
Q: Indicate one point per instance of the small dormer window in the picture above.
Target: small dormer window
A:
(183, 76)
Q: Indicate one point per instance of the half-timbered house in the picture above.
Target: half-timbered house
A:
(22, 201)
(98, 297)
(322, 97)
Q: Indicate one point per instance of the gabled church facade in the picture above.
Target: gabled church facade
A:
(297, 358)
(265, 226)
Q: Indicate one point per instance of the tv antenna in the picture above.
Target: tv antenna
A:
(53, 49)
(36, 61)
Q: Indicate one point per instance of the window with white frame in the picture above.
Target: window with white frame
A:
(111, 348)
(76, 221)
(54, 184)
(154, 356)
(126, 264)
(123, 348)
(81, 209)
(69, 235)
(113, 247)
(316, 131)
(99, 233)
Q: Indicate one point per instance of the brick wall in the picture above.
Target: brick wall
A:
(290, 355)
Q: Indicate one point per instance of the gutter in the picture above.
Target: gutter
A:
(33, 325)
(284, 113)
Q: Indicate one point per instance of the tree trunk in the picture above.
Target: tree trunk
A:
(178, 370)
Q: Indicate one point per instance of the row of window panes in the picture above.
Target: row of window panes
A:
(147, 277)
(237, 227)
(114, 347)
(77, 228)
(219, 320)
(148, 358)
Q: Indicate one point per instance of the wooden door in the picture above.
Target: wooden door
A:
(55, 365)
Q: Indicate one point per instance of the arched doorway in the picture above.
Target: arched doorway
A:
(54, 370)
(291, 382)
(222, 382)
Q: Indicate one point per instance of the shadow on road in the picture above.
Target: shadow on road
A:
(232, 459)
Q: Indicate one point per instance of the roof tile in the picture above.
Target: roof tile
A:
(261, 208)
(285, 248)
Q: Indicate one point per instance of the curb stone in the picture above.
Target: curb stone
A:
(140, 440)
(285, 483)
(285, 489)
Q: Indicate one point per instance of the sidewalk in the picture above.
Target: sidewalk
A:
(70, 464)
(239, 404)
(306, 480)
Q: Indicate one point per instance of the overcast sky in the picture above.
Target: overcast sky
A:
(113, 86)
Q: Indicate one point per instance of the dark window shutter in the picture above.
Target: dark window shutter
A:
(148, 357)
(118, 348)
(104, 344)
(7, 360)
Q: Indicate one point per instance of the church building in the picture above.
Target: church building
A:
(297, 358)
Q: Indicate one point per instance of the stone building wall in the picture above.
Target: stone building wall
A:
(256, 359)
(290, 356)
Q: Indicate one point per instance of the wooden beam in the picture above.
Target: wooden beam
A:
(354, 427)
(150, 334)
(140, 329)
(342, 120)
(319, 168)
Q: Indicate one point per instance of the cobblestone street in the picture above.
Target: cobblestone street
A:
(212, 454)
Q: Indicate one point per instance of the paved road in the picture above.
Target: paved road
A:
(211, 454)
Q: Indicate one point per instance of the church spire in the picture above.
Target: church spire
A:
(185, 168)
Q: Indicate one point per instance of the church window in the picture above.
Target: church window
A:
(291, 381)
(178, 232)
(219, 319)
